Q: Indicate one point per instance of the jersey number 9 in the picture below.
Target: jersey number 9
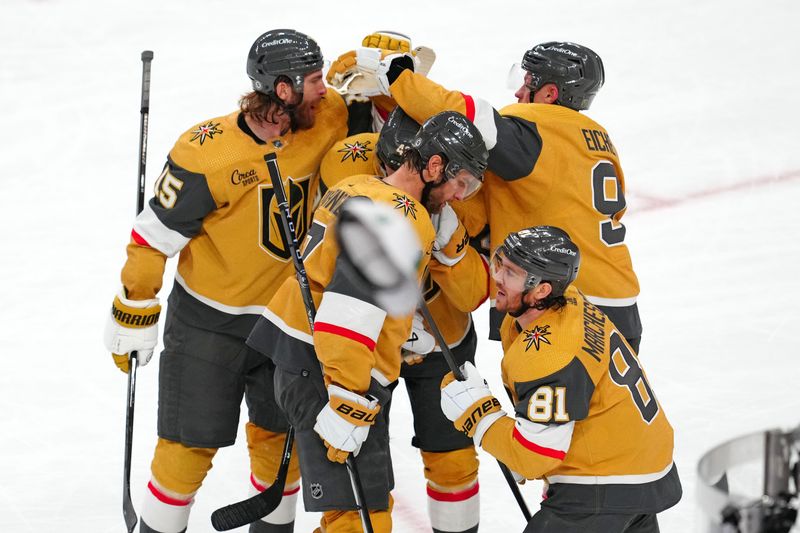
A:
(608, 200)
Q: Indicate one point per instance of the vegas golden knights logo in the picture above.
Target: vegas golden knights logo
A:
(272, 237)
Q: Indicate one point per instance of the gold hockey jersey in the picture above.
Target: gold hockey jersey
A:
(465, 283)
(577, 184)
(585, 415)
(215, 207)
(558, 167)
(353, 338)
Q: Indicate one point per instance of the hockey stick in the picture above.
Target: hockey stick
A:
(451, 362)
(128, 512)
(260, 505)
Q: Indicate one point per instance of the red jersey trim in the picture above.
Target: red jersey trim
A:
(541, 450)
(138, 239)
(325, 327)
(469, 103)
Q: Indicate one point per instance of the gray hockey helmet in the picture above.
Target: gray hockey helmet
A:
(282, 53)
(451, 134)
(546, 253)
(396, 134)
(575, 69)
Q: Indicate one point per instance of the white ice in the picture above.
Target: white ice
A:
(701, 100)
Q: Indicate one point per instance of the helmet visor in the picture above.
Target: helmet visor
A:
(466, 182)
(510, 275)
(516, 77)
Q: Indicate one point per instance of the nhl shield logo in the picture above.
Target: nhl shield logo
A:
(316, 490)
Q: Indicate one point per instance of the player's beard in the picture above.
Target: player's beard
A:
(302, 116)
(433, 199)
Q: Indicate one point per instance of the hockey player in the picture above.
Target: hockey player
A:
(585, 418)
(214, 207)
(549, 163)
(456, 285)
(342, 407)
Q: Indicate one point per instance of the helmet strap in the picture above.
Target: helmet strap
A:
(291, 110)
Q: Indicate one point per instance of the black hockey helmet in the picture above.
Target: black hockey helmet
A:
(576, 70)
(282, 53)
(546, 253)
(396, 134)
(450, 134)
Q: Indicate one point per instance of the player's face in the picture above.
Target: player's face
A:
(523, 94)
(313, 91)
(510, 281)
(458, 187)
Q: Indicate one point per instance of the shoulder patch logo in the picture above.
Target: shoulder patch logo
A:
(353, 151)
(405, 203)
(205, 131)
(536, 336)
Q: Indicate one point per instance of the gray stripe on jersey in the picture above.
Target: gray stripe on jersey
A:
(574, 377)
(518, 147)
(192, 201)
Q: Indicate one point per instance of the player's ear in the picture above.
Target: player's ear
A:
(284, 91)
(435, 168)
(551, 92)
(542, 290)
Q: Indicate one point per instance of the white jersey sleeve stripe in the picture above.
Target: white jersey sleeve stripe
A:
(351, 314)
(482, 114)
(167, 241)
(554, 438)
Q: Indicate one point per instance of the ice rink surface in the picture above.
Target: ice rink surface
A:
(700, 100)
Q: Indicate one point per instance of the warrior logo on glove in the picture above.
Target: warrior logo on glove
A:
(135, 320)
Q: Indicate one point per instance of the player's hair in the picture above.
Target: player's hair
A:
(263, 107)
(550, 302)
(413, 160)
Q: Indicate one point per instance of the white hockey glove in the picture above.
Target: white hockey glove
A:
(344, 422)
(132, 326)
(452, 239)
(368, 72)
(419, 344)
(424, 56)
(469, 404)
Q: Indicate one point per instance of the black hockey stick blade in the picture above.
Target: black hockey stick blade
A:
(256, 507)
(129, 513)
(247, 511)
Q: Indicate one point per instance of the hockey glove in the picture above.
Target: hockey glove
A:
(469, 404)
(452, 239)
(388, 41)
(419, 344)
(368, 71)
(132, 326)
(424, 56)
(344, 422)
